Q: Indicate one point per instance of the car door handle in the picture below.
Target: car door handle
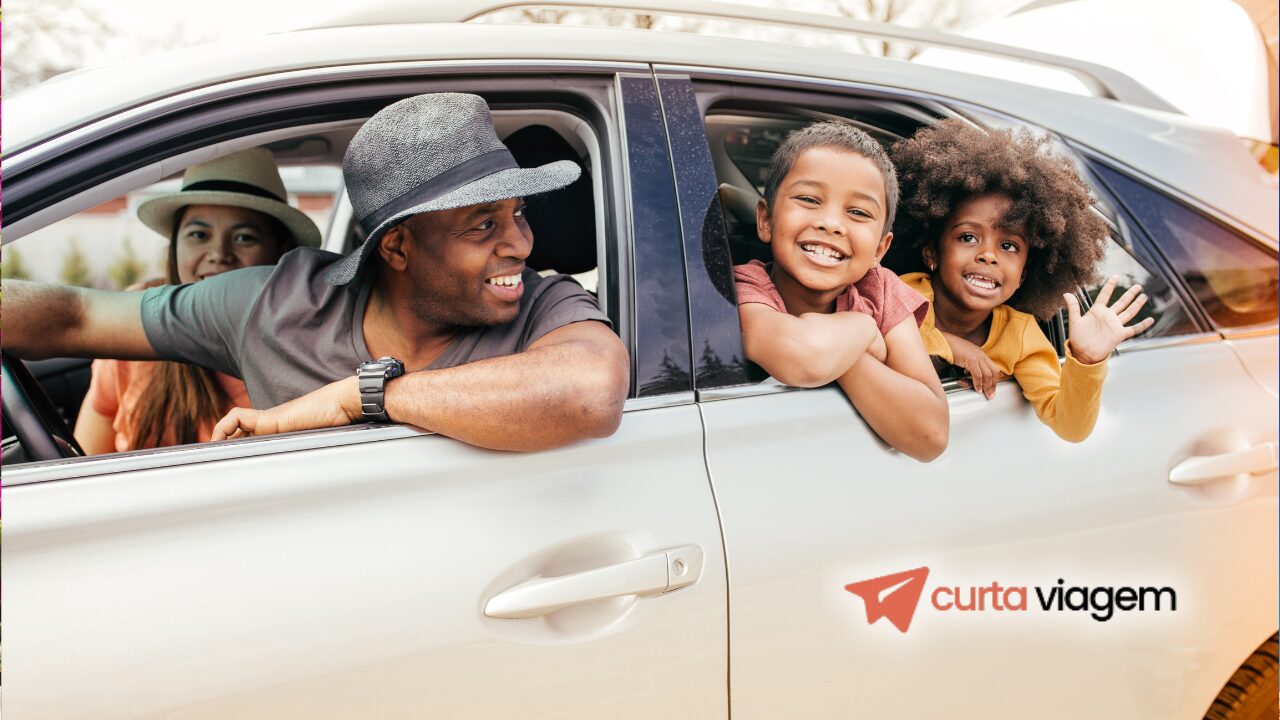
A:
(1200, 469)
(650, 575)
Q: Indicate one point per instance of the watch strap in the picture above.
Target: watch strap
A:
(371, 378)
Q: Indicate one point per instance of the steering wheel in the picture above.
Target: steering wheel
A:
(32, 416)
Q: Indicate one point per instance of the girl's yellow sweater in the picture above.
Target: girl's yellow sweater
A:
(1065, 397)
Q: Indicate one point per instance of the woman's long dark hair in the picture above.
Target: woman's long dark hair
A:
(179, 397)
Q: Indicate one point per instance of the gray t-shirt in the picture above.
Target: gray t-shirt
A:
(285, 331)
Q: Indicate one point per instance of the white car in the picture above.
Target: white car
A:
(737, 548)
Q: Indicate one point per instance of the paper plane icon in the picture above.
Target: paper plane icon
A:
(893, 596)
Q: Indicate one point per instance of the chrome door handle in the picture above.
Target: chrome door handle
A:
(650, 575)
(1201, 469)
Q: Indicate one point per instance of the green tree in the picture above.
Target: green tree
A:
(75, 269)
(11, 265)
(127, 269)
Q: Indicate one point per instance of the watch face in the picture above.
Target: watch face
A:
(387, 367)
(393, 367)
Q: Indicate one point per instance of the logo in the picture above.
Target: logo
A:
(892, 596)
(897, 596)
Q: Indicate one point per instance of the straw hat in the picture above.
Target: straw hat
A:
(247, 179)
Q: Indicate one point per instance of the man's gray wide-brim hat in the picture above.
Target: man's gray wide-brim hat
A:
(247, 179)
(427, 153)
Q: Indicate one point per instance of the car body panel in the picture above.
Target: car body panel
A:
(1007, 502)
(1257, 351)
(262, 586)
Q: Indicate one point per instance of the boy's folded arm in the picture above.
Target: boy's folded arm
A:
(880, 392)
(807, 351)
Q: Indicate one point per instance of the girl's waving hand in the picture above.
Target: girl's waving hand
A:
(1095, 334)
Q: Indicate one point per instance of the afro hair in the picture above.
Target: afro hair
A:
(943, 165)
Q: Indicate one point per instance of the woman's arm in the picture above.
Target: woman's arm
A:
(901, 398)
(806, 351)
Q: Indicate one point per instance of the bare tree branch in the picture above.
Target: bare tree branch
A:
(942, 15)
(44, 38)
(47, 38)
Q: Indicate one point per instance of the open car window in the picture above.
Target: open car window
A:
(743, 141)
(106, 246)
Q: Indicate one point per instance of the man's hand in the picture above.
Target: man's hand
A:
(983, 373)
(333, 405)
(1094, 335)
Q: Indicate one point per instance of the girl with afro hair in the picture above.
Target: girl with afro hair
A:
(1002, 231)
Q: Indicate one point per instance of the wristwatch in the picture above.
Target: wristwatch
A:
(372, 376)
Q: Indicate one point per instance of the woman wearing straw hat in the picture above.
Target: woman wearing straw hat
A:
(231, 213)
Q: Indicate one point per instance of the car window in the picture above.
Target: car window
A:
(1234, 279)
(749, 143)
(742, 145)
(1163, 306)
(107, 246)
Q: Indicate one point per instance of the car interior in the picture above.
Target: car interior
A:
(53, 390)
(743, 139)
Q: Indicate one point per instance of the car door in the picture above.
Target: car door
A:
(384, 571)
(856, 575)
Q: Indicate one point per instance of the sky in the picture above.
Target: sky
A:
(1162, 50)
(223, 18)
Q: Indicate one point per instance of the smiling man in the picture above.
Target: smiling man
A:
(447, 327)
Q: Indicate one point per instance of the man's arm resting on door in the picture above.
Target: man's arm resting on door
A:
(567, 386)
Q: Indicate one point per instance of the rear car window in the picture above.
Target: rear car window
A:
(1164, 306)
(1232, 277)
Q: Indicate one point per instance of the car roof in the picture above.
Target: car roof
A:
(1167, 147)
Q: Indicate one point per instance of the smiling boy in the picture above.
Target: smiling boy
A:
(825, 310)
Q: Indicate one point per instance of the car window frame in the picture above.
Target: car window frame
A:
(711, 84)
(144, 148)
(1145, 236)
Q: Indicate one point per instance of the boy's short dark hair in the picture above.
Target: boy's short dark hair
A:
(842, 136)
(946, 164)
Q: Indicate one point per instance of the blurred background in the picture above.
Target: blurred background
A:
(1216, 60)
